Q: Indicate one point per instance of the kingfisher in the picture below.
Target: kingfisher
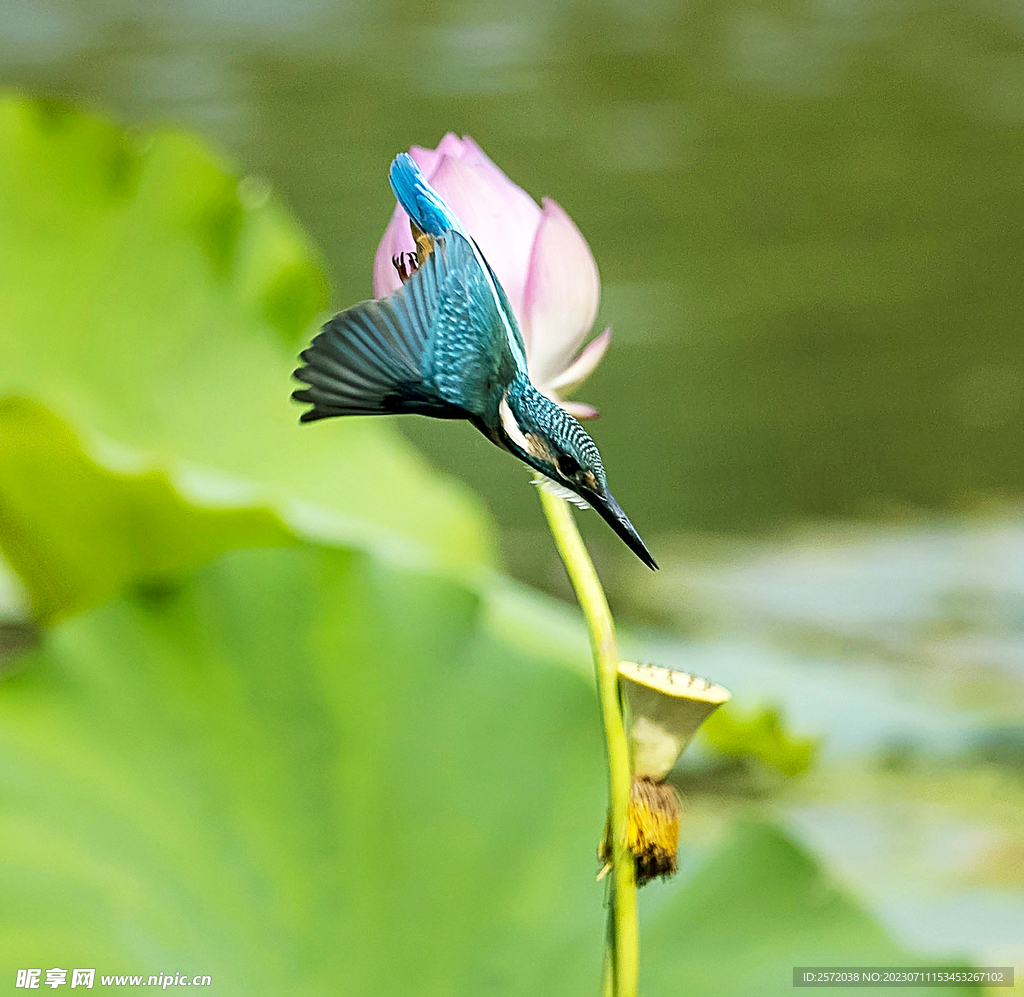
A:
(446, 344)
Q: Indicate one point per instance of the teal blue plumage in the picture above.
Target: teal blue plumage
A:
(425, 207)
(434, 347)
(446, 344)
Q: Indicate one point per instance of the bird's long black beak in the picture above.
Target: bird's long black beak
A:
(611, 512)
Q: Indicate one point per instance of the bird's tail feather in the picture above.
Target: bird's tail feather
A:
(424, 206)
(369, 359)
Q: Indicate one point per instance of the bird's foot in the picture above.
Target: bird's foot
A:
(406, 264)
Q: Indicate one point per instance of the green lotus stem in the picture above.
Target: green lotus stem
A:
(623, 956)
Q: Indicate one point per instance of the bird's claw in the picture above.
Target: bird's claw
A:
(406, 264)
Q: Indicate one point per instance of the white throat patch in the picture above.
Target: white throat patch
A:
(543, 481)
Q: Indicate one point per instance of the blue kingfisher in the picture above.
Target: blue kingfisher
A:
(446, 344)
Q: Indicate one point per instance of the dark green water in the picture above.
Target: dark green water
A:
(809, 217)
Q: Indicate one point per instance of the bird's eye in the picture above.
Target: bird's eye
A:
(567, 465)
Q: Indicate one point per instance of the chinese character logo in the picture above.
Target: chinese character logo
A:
(29, 978)
(83, 977)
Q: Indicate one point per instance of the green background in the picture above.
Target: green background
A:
(284, 718)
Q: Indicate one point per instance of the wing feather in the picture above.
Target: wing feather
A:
(371, 359)
(437, 346)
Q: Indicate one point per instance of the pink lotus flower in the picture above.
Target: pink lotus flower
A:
(542, 261)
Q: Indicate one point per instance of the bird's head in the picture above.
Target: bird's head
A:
(542, 434)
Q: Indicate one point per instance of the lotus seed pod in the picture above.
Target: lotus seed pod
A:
(666, 708)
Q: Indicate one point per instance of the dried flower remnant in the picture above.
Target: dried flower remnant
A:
(666, 708)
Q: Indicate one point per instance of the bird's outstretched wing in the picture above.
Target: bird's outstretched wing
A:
(435, 347)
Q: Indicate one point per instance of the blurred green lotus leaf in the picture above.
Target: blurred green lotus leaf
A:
(761, 734)
(150, 304)
(759, 907)
(77, 533)
(302, 771)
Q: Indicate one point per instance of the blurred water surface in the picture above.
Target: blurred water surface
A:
(807, 215)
